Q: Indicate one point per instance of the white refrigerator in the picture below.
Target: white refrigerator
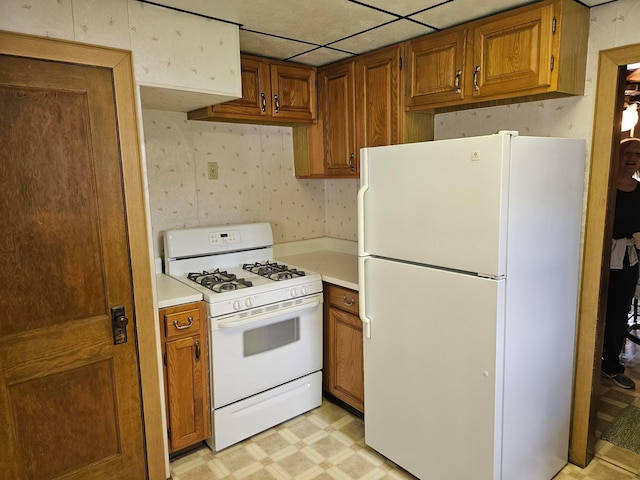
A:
(469, 255)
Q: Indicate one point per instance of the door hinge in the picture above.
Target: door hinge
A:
(554, 24)
(400, 63)
(553, 62)
(164, 357)
(169, 433)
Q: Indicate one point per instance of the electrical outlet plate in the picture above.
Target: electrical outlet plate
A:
(212, 169)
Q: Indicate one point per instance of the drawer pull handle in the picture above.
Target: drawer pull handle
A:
(183, 327)
(348, 303)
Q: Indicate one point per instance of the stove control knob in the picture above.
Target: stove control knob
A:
(294, 292)
(248, 302)
(237, 305)
(304, 290)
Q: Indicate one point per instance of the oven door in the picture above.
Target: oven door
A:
(266, 347)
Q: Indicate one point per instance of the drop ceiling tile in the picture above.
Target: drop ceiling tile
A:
(273, 47)
(462, 11)
(320, 22)
(321, 56)
(386, 35)
(403, 7)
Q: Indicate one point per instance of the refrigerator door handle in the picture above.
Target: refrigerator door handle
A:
(361, 193)
(364, 186)
(362, 302)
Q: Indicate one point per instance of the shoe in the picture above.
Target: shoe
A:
(620, 380)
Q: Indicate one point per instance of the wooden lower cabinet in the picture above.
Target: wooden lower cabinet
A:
(343, 354)
(186, 374)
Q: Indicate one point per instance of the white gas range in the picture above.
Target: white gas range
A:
(265, 326)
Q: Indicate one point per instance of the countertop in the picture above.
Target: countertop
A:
(336, 260)
(172, 292)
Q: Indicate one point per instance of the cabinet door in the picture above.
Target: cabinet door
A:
(513, 53)
(256, 91)
(187, 399)
(345, 358)
(435, 68)
(336, 93)
(293, 90)
(378, 98)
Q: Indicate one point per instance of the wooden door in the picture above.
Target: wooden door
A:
(69, 398)
(256, 91)
(337, 97)
(513, 53)
(293, 93)
(378, 98)
(436, 68)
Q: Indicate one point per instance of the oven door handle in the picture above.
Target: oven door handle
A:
(311, 303)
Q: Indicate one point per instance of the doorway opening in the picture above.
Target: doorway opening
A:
(595, 268)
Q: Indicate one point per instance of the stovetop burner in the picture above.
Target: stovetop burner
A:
(219, 281)
(273, 270)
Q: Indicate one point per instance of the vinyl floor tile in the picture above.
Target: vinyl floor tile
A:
(328, 444)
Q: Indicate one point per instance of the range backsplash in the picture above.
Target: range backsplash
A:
(255, 181)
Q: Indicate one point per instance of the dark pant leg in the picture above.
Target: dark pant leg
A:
(622, 284)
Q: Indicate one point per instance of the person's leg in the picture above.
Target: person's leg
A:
(620, 294)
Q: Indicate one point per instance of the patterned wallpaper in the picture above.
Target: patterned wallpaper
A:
(254, 160)
(256, 181)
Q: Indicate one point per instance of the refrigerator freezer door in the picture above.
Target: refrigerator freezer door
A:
(433, 369)
(437, 203)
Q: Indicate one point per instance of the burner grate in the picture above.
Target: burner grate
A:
(219, 281)
(273, 270)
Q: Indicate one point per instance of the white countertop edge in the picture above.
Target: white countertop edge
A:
(340, 282)
(171, 292)
(173, 301)
(315, 244)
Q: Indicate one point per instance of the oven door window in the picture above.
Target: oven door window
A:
(270, 337)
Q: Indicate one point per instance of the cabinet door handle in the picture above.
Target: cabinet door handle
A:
(476, 72)
(348, 303)
(263, 103)
(197, 345)
(275, 98)
(183, 327)
(351, 166)
(457, 81)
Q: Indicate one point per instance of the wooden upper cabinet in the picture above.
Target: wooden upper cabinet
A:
(272, 92)
(361, 104)
(293, 92)
(514, 53)
(256, 100)
(378, 98)
(336, 95)
(435, 67)
(538, 49)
